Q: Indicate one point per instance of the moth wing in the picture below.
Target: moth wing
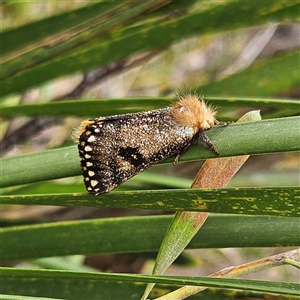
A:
(116, 148)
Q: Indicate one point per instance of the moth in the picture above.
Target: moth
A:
(113, 149)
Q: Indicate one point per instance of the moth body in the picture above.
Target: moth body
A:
(114, 149)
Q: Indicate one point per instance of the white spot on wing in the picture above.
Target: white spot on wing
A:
(94, 183)
(91, 139)
(91, 174)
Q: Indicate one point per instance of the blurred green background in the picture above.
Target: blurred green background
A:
(240, 56)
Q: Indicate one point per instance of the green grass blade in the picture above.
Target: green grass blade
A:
(66, 285)
(267, 136)
(39, 166)
(86, 108)
(73, 279)
(107, 107)
(277, 201)
(128, 235)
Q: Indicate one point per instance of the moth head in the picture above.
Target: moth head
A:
(190, 111)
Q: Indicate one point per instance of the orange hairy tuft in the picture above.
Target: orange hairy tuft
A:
(78, 131)
(190, 111)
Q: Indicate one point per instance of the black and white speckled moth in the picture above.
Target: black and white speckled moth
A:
(114, 149)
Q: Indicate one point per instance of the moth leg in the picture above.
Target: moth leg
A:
(204, 138)
(176, 159)
(181, 152)
(199, 136)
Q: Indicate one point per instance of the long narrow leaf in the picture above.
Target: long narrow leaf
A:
(276, 201)
(143, 234)
(267, 136)
(106, 107)
(56, 278)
